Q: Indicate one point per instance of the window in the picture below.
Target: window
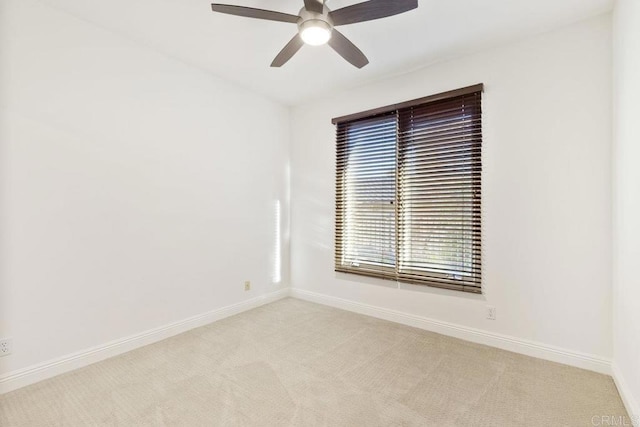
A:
(408, 191)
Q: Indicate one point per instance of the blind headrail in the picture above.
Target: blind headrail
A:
(431, 98)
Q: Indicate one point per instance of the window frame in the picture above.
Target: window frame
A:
(471, 281)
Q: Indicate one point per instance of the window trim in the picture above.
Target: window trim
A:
(394, 109)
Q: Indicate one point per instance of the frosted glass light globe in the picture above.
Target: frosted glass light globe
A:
(315, 32)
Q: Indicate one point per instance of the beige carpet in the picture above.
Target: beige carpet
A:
(293, 363)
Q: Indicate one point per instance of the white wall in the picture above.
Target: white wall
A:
(546, 191)
(135, 191)
(626, 201)
(121, 211)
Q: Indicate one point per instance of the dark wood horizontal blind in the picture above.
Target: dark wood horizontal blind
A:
(366, 193)
(439, 193)
(408, 192)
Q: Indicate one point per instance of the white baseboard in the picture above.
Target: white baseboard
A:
(633, 408)
(23, 377)
(30, 375)
(505, 342)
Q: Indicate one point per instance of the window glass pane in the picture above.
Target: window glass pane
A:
(440, 171)
(368, 188)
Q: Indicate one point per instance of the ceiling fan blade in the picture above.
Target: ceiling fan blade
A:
(288, 51)
(314, 6)
(251, 12)
(347, 50)
(370, 10)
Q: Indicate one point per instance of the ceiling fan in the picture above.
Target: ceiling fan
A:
(316, 24)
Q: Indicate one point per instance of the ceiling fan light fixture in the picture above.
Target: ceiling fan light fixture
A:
(315, 32)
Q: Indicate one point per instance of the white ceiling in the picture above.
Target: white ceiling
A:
(241, 49)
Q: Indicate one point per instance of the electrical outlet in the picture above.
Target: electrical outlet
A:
(491, 312)
(5, 347)
(247, 285)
